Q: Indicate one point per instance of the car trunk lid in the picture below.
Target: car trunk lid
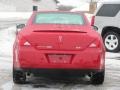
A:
(60, 37)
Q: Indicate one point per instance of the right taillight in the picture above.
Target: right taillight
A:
(92, 20)
(95, 44)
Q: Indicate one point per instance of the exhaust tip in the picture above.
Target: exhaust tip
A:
(28, 74)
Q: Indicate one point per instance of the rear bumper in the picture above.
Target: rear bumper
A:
(28, 57)
(59, 72)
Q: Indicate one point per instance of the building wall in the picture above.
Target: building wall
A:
(9, 8)
(22, 5)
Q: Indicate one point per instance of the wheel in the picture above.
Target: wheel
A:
(112, 41)
(97, 78)
(19, 77)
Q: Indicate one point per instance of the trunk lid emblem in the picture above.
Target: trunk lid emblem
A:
(60, 38)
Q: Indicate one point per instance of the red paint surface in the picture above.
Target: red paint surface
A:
(58, 46)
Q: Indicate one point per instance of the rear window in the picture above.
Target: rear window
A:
(58, 18)
(109, 10)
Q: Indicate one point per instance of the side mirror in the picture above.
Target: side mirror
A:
(95, 28)
(19, 27)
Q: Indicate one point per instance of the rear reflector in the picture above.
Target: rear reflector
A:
(26, 44)
(93, 45)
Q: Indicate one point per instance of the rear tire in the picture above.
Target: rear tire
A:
(97, 78)
(19, 77)
(112, 44)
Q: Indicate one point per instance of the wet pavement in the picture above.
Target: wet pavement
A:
(112, 79)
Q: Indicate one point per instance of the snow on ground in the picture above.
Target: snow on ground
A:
(113, 55)
(7, 36)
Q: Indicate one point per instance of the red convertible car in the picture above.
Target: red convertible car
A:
(55, 42)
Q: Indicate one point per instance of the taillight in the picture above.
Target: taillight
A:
(24, 42)
(95, 44)
(92, 20)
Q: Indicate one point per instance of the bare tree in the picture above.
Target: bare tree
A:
(93, 6)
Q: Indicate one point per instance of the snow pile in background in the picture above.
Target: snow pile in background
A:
(83, 7)
(7, 19)
(75, 3)
(7, 37)
(16, 15)
(80, 5)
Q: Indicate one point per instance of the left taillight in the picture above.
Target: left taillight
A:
(24, 42)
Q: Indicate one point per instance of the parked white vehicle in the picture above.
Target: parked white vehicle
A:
(107, 20)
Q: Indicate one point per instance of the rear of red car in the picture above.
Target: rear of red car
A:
(45, 47)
